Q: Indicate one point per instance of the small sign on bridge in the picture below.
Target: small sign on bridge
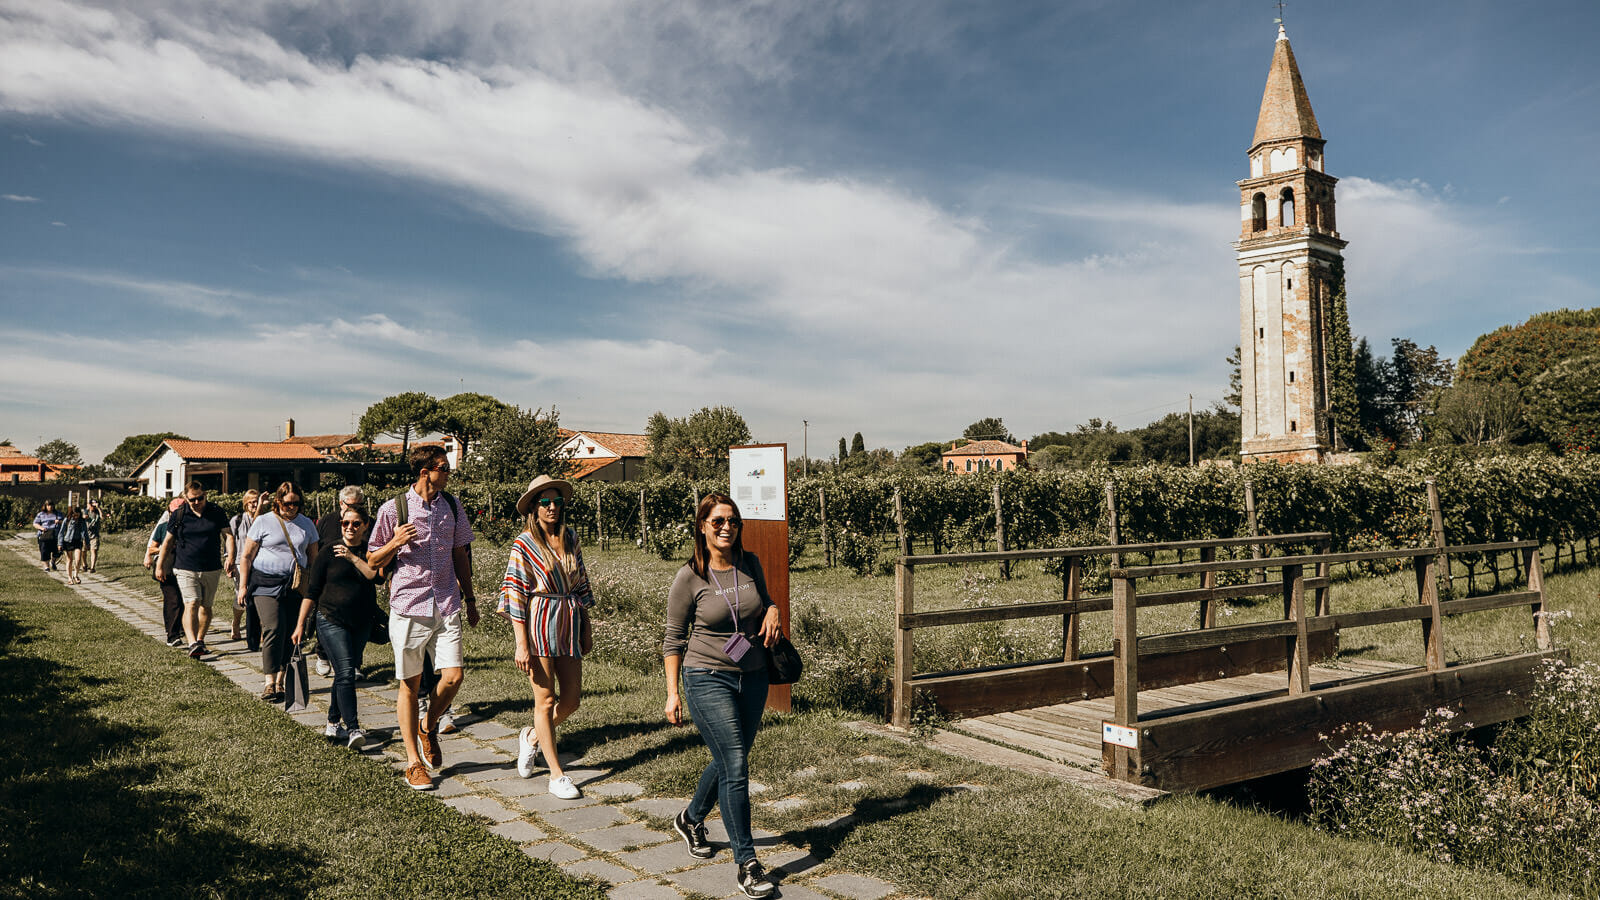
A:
(1112, 733)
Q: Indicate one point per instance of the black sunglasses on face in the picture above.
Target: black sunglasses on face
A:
(719, 521)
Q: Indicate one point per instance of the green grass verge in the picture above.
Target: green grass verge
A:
(131, 771)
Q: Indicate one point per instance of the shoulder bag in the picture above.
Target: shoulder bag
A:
(298, 579)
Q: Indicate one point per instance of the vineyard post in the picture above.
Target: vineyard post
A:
(900, 524)
(903, 648)
(644, 524)
(1112, 525)
(1433, 626)
(599, 518)
(822, 527)
(1071, 588)
(1250, 519)
(1437, 515)
(1208, 583)
(1000, 532)
(1541, 622)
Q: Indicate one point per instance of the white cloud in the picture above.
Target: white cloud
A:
(19, 198)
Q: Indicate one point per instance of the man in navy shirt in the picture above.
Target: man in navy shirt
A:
(195, 538)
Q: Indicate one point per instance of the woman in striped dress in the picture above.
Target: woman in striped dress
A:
(546, 596)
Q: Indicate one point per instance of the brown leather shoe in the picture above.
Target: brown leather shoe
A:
(418, 778)
(428, 743)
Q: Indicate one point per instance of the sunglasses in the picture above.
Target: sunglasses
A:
(352, 524)
(200, 499)
(443, 467)
(552, 501)
(293, 503)
(719, 521)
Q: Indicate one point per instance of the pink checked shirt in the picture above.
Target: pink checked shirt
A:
(424, 582)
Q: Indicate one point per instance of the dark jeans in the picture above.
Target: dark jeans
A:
(342, 648)
(171, 608)
(727, 709)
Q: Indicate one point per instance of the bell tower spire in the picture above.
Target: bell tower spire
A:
(1289, 254)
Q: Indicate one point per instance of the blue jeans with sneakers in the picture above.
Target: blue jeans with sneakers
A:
(726, 707)
(343, 650)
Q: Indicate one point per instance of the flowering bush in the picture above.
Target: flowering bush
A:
(1526, 808)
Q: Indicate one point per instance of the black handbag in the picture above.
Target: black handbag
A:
(783, 662)
(379, 633)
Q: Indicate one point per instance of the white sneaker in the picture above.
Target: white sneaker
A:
(564, 789)
(357, 740)
(332, 730)
(528, 753)
(447, 720)
(323, 669)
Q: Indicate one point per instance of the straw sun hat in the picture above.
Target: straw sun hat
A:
(538, 486)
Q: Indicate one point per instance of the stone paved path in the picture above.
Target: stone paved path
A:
(589, 837)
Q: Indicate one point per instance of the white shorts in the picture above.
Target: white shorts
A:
(415, 636)
(197, 587)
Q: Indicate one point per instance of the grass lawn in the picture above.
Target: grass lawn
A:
(931, 834)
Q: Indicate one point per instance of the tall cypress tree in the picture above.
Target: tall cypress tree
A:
(1346, 408)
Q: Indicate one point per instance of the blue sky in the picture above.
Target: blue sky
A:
(892, 217)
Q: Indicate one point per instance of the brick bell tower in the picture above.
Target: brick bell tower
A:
(1288, 244)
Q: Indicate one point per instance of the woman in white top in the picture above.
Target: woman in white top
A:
(275, 546)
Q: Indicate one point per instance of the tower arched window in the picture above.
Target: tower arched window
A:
(1286, 208)
(1258, 212)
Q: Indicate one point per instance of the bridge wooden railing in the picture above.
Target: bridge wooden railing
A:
(1077, 675)
(1298, 630)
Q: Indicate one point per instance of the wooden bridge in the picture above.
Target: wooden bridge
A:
(1217, 704)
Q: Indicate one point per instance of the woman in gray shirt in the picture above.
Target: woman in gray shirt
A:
(722, 594)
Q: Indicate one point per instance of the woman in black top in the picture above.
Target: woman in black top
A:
(342, 588)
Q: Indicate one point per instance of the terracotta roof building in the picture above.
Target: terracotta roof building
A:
(984, 456)
(227, 466)
(605, 455)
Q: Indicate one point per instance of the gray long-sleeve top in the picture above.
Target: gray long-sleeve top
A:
(695, 601)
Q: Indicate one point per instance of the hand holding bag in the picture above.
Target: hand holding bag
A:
(783, 662)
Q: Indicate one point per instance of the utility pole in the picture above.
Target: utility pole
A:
(805, 447)
(1191, 430)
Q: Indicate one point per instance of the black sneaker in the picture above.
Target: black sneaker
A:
(753, 880)
(694, 836)
(175, 642)
(197, 650)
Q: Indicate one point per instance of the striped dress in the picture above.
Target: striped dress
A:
(538, 596)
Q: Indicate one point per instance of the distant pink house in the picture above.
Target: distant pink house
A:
(984, 456)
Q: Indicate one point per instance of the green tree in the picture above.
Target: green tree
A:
(466, 416)
(921, 459)
(59, 452)
(1415, 374)
(697, 446)
(1166, 440)
(1564, 404)
(989, 429)
(135, 449)
(1372, 386)
(402, 416)
(1520, 353)
(1235, 395)
(858, 444)
(844, 450)
(1343, 399)
(1476, 413)
(518, 445)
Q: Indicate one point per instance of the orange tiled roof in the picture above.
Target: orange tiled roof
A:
(197, 450)
(583, 468)
(19, 463)
(322, 441)
(620, 444)
(984, 448)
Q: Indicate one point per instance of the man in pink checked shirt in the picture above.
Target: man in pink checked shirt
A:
(423, 535)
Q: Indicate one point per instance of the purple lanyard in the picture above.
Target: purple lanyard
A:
(731, 608)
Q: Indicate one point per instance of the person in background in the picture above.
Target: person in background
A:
(720, 622)
(70, 538)
(240, 526)
(278, 542)
(198, 538)
(93, 517)
(46, 523)
(431, 587)
(171, 600)
(546, 595)
(328, 537)
(342, 590)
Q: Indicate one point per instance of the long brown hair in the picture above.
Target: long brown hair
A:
(285, 490)
(700, 564)
(569, 542)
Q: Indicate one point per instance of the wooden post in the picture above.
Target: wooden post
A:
(1437, 515)
(822, 516)
(1294, 609)
(1000, 533)
(1208, 581)
(900, 525)
(1541, 622)
(1113, 526)
(1433, 626)
(1250, 519)
(1325, 573)
(599, 517)
(903, 669)
(1071, 588)
(644, 524)
(1121, 762)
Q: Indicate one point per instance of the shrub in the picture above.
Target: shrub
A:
(856, 551)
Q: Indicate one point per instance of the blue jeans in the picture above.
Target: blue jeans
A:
(726, 707)
(342, 648)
